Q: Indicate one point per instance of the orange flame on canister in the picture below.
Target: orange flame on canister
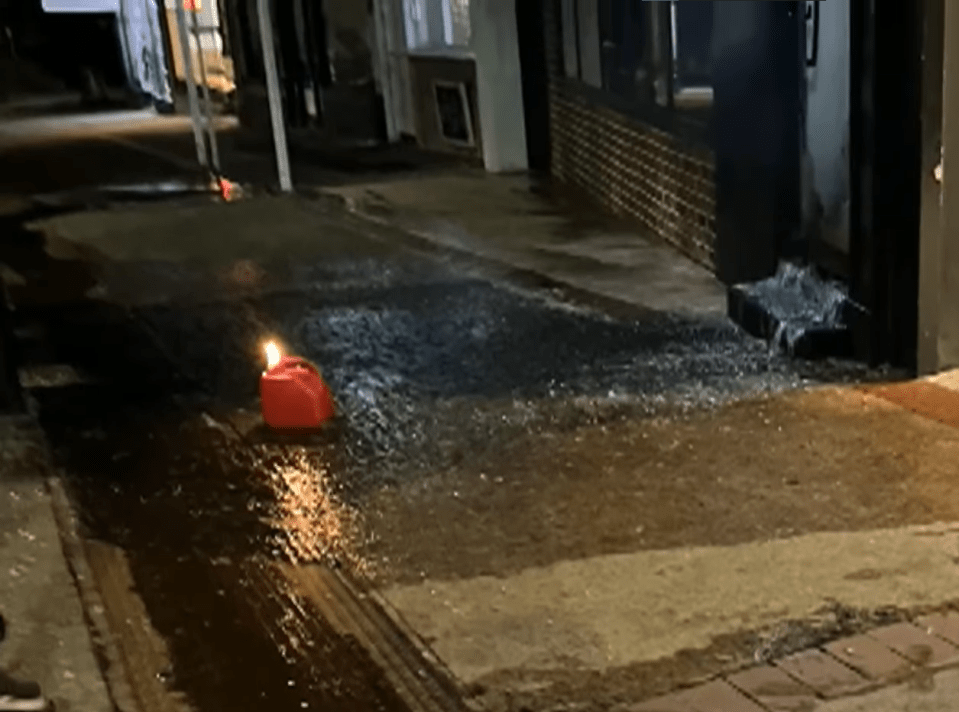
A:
(272, 355)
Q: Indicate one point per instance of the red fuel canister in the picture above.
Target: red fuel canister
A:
(293, 395)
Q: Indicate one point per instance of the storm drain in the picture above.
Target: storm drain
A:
(354, 614)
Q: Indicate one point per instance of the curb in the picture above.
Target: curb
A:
(443, 676)
(101, 635)
(934, 397)
(944, 379)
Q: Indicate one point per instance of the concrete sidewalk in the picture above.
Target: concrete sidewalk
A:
(513, 220)
(48, 640)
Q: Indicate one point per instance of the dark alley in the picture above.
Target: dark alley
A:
(578, 461)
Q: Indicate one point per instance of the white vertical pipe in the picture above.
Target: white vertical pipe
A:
(499, 87)
(184, 34)
(273, 91)
(207, 110)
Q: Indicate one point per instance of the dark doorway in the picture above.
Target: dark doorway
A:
(317, 45)
(291, 66)
(249, 61)
(535, 77)
(63, 43)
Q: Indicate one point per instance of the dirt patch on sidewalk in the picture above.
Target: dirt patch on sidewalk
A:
(785, 465)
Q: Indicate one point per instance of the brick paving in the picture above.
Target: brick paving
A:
(918, 646)
(713, 696)
(850, 666)
(945, 626)
(774, 689)
(871, 658)
(824, 674)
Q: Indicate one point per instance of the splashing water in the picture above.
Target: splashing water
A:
(800, 301)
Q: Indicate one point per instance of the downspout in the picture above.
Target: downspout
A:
(275, 98)
(205, 88)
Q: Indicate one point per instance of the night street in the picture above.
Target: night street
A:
(645, 383)
(490, 423)
(434, 363)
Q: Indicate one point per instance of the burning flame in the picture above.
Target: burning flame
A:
(272, 355)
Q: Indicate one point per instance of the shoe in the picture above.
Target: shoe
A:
(16, 696)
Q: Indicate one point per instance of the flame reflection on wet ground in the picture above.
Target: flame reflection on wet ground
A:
(311, 523)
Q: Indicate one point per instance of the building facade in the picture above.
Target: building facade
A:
(630, 110)
(742, 132)
(138, 38)
(614, 98)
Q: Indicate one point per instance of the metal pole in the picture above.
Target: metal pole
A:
(210, 128)
(385, 62)
(183, 31)
(273, 91)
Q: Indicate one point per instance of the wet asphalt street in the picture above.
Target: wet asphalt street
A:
(165, 462)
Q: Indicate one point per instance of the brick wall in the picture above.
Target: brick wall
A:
(630, 169)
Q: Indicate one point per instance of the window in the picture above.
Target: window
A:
(417, 23)
(582, 41)
(624, 37)
(692, 33)
(456, 23)
(641, 52)
(437, 24)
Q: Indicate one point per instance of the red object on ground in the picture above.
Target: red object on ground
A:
(293, 396)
